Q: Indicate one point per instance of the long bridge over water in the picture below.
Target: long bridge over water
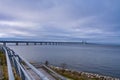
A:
(40, 42)
(17, 65)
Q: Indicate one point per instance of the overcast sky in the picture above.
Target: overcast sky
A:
(61, 20)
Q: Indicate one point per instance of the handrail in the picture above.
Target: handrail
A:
(41, 75)
(9, 67)
(56, 74)
(28, 73)
(16, 61)
(25, 73)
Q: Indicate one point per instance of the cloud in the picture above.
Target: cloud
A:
(2, 34)
(17, 24)
(15, 33)
(60, 20)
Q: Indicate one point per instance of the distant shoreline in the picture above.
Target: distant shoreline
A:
(81, 73)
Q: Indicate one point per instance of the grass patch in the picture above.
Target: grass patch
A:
(3, 65)
(73, 75)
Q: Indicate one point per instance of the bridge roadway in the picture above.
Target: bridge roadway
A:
(26, 70)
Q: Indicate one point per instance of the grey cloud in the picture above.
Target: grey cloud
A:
(61, 20)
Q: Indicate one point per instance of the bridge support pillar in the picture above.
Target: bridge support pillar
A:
(16, 43)
(49, 43)
(40, 43)
(45, 43)
(4, 43)
(27, 43)
(35, 43)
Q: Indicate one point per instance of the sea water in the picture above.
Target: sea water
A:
(101, 59)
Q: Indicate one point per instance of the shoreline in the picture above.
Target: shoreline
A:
(79, 74)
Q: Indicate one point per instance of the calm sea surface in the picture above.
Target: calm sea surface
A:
(99, 59)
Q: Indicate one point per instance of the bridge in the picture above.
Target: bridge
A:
(39, 42)
(33, 42)
(17, 65)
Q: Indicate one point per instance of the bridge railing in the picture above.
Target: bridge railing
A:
(17, 62)
(9, 66)
(54, 73)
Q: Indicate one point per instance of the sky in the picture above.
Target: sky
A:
(61, 20)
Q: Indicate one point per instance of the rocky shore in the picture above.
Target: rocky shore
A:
(76, 75)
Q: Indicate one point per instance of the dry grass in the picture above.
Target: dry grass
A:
(16, 76)
(4, 65)
(73, 75)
